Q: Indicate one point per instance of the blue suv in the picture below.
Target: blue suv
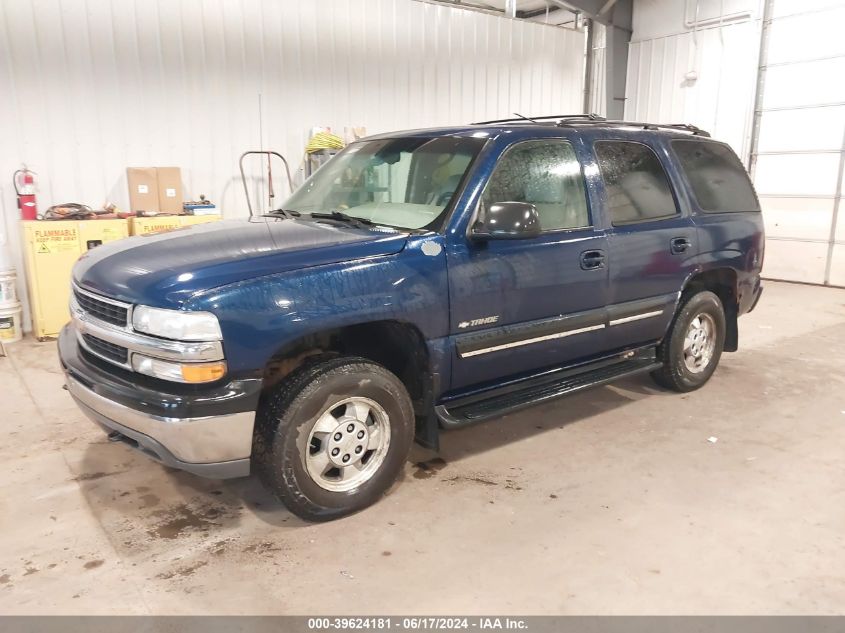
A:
(419, 281)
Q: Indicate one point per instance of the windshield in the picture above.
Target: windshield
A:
(401, 182)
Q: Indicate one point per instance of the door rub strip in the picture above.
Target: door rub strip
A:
(528, 341)
(636, 317)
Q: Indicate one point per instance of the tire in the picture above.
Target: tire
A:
(297, 429)
(682, 369)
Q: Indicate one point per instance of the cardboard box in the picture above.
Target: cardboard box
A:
(169, 189)
(143, 188)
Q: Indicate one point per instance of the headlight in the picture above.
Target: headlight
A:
(176, 325)
(179, 372)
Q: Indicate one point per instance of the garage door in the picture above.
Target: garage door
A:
(800, 149)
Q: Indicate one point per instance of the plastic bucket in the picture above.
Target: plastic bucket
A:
(8, 294)
(11, 325)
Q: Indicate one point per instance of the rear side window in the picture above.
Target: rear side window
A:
(637, 187)
(719, 182)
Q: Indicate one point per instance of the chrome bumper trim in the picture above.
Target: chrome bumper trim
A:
(179, 351)
(195, 440)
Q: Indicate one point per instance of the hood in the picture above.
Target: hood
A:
(166, 269)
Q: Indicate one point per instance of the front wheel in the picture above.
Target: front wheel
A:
(692, 347)
(332, 438)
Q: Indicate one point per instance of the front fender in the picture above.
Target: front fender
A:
(260, 316)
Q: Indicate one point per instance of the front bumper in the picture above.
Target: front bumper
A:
(207, 433)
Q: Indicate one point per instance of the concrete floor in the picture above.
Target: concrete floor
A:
(612, 501)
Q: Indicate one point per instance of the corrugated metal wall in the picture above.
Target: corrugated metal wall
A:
(719, 96)
(88, 88)
(799, 167)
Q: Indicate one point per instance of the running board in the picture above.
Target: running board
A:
(529, 392)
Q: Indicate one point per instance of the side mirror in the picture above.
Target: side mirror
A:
(507, 221)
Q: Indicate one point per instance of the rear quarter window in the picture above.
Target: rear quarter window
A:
(718, 179)
(636, 184)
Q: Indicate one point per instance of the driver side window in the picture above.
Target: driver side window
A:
(547, 174)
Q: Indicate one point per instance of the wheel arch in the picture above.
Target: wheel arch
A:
(397, 345)
(721, 281)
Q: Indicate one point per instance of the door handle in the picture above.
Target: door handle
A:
(590, 260)
(680, 245)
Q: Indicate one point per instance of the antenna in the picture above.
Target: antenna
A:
(524, 117)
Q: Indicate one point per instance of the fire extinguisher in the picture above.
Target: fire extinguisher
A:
(24, 182)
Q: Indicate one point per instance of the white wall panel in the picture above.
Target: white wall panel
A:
(719, 98)
(804, 84)
(659, 18)
(802, 119)
(784, 8)
(837, 268)
(795, 260)
(88, 88)
(839, 231)
(788, 130)
(800, 143)
(797, 174)
(819, 36)
(797, 218)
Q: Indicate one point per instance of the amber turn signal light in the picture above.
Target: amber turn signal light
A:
(203, 372)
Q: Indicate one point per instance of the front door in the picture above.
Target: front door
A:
(518, 306)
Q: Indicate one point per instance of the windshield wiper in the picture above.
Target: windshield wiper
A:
(285, 213)
(343, 217)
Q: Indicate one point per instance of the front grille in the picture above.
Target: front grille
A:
(103, 310)
(105, 349)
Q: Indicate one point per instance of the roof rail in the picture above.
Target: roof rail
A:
(689, 127)
(682, 127)
(571, 120)
(533, 119)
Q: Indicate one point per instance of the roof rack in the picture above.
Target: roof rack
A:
(570, 120)
(533, 119)
(681, 127)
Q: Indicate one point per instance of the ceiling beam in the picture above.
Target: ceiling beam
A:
(527, 15)
(607, 6)
(617, 17)
(616, 13)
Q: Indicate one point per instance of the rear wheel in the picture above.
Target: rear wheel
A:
(693, 346)
(332, 438)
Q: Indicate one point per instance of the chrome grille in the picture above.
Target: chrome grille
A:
(103, 329)
(104, 310)
(105, 349)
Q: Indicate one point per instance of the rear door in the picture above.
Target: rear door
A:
(726, 212)
(652, 243)
(521, 305)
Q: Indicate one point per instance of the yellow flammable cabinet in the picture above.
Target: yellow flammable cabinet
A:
(51, 249)
(93, 233)
(163, 223)
(190, 220)
(155, 224)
